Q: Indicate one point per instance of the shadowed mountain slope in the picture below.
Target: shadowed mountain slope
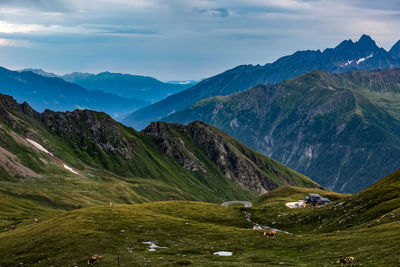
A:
(339, 129)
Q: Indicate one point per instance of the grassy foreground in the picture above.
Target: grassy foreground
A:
(193, 231)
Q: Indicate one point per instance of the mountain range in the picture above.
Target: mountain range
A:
(80, 158)
(129, 86)
(78, 187)
(342, 130)
(348, 55)
(55, 93)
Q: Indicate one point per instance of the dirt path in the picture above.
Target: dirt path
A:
(259, 226)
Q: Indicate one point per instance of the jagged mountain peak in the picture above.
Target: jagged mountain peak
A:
(343, 44)
(366, 39)
(9, 105)
(366, 43)
(353, 51)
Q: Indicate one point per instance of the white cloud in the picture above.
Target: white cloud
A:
(10, 27)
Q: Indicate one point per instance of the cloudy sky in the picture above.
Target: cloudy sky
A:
(181, 39)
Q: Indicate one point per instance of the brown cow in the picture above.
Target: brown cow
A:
(345, 260)
(12, 227)
(270, 233)
(110, 204)
(95, 259)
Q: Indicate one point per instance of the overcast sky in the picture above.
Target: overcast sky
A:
(181, 39)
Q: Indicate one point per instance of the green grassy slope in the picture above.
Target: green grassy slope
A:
(281, 195)
(193, 231)
(365, 226)
(375, 206)
(114, 163)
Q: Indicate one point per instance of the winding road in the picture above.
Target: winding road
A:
(247, 204)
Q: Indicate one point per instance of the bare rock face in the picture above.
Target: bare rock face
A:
(90, 130)
(10, 111)
(215, 146)
(173, 146)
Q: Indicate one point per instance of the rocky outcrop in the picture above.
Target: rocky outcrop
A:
(190, 145)
(173, 146)
(90, 130)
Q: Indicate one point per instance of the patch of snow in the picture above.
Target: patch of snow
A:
(348, 62)
(223, 253)
(152, 246)
(364, 58)
(39, 146)
(258, 227)
(69, 168)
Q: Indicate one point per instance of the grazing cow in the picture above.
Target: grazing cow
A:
(110, 204)
(270, 233)
(12, 227)
(35, 220)
(95, 259)
(345, 260)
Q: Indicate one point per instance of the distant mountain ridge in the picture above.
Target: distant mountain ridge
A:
(342, 130)
(348, 55)
(56, 94)
(128, 86)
